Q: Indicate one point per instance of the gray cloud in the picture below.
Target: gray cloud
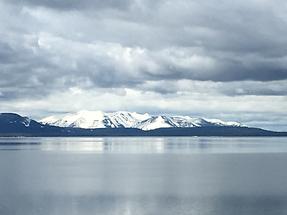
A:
(242, 88)
(74, 4)
(165, 47)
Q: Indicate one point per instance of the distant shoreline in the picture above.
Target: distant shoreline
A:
(163, 132)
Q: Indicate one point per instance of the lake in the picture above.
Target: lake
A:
(143, 176)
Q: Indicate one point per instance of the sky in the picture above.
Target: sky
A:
(204, 58)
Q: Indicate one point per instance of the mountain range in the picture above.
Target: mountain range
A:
(96, 123)
(124, 119)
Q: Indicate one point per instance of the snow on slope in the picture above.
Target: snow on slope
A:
(97, 119)
(124, 119)
(155, 122)
(127, 119)
(81, 119)
(222, 123)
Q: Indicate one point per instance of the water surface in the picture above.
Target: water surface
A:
(138, 176)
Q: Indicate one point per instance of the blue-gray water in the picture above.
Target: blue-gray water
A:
(143, 176)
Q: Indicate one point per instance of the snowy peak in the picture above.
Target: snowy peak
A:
(125, 119)
(97, 119)
(222, 123)
(81, 119)
(155, 122)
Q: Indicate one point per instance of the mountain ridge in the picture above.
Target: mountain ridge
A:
(125, 119)
(14, 125)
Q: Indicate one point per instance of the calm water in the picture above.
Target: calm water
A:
(139, 176)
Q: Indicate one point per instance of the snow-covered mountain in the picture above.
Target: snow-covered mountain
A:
(124, 119)
(15, 125)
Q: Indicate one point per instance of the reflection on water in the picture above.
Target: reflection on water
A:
(184, 145)
(143, 176)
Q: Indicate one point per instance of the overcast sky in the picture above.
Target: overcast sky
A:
(210, 58)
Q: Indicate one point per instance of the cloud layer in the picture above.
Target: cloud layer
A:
(177, 56)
